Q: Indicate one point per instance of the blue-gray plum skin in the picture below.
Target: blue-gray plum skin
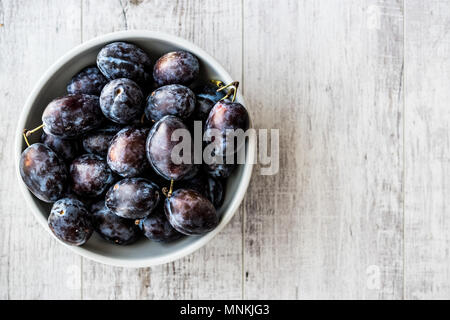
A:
(121, 101)
(65, 149)
(90, 176)
(71, 116)
(125, 60)
(178, 67)
(133, 198)
(43, 172)
(209, 91)
(174, 99)
(88, 81)
(70, 221)
(113, 228)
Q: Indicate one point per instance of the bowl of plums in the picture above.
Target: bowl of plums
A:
(133, 149)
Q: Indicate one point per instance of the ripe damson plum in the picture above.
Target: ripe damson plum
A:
(156, 227)
(226, 115)
(172, 99)
(190, 213)
(88, 81)
(70, 221)
(98, 141)
(90, 175)
(113, 228)
(126, 153)
(65, 149)
(72, 116)
(176, 67)
(133, 198)
(124, 60)
(159, 147)
(43, 172)
(121, 101)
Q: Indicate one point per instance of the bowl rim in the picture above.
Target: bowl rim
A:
(124, 36)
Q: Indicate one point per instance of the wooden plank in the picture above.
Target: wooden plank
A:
(33, 34)
(329, 75)
(215, 271)
(427, 150)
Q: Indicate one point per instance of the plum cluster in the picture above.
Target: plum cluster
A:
(104, 158)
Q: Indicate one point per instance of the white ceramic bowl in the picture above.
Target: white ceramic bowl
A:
(53, 84)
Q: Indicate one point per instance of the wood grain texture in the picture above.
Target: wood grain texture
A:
(328, 74)
(33, 35)
(427, 144)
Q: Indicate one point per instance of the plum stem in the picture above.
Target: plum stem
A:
(27, 133)
(171, 189)
(233, 90)
(168, 194)
(232, 84)
(25, 137)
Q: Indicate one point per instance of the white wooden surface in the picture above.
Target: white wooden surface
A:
(359, 91)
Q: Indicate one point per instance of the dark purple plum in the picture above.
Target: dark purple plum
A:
(159, 148)
(133, 198)
(190, 213)
(226, 115)
(209, 91)
(72, 116)
(98, 141)
(65, 149)
(43, 172)
(88, 81)
(70, 221)
(121, 101)
(173, 99)
(179, 67)
(90, 175)
(126, 153)
(124, 60)
(113, 228)
(156, 227)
